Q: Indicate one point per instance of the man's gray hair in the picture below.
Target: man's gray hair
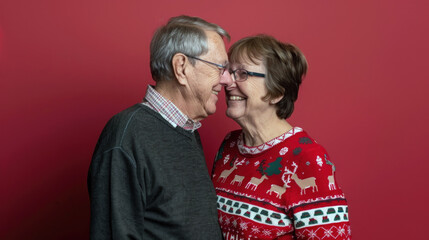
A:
(182, 34)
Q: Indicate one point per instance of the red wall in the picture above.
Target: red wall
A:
(67, 66)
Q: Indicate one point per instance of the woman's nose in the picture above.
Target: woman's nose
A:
(226, 79)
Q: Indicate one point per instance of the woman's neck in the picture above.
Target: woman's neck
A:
(262, 130)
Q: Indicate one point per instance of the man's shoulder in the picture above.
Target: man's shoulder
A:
(137, 120)
(135, 115)
(127, 114)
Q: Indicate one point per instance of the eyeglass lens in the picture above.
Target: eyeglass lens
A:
(240, 75)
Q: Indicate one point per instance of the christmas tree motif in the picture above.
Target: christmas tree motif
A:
(329, 162)
(305, 140)
(302, 183)
(274, 167)
(219, 153)
(297, 151)
(331, 179)
(261, 167)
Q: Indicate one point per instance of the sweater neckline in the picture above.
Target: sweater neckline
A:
(267, 145)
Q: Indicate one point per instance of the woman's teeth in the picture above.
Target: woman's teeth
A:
(235, 98)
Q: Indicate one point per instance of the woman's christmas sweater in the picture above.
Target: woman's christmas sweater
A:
(282, 189)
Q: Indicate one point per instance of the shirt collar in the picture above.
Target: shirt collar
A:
(168, 110)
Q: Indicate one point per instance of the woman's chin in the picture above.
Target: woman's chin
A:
(234, 114)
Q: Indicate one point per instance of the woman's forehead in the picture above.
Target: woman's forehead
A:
(245, 61)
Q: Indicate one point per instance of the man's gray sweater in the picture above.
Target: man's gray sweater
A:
(149, 180)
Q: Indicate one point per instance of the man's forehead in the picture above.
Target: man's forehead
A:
(216, 47)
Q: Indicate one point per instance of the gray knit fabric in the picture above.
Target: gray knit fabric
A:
(149, 180)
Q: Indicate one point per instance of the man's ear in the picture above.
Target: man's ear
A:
(180, 63)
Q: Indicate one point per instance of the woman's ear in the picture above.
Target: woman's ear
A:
(276, 100)
(179, 63)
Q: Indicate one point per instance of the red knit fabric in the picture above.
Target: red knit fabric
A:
(282, 189)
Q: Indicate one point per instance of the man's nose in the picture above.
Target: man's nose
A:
(226, 79)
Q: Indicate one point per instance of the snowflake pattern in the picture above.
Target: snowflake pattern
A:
(319, 161)
(299, 235)
(255, 229)
(312, 234)
(341, 231)
(334, 232)
(328, 232)
(232, 144)
(226, 159)
(243, 225)
(241, 162)
(283, 151)
(266, 232)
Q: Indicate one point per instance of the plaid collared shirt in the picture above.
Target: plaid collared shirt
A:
(168, 110)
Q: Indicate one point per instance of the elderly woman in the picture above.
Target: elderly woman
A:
(273, 180)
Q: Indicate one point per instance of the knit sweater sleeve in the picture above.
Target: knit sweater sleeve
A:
(318, 206)
(117, 198)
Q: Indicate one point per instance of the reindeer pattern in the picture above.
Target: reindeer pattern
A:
(276, 177)
(237, 177)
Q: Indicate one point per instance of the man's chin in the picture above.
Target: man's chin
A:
(211, 111)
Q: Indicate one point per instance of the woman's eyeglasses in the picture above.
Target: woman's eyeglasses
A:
(241, 75)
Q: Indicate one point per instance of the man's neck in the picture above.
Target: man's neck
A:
(173, 93)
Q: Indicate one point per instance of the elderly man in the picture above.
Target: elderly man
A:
(148, 178)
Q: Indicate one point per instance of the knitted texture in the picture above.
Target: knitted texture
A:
(149, 180)
(282, 189)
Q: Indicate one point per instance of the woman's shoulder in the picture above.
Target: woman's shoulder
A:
(304, 140)
(233, 135)
(305, 147)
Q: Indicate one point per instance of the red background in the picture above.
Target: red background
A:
(67, 66)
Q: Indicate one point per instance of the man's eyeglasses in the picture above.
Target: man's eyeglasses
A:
(222, 68)
(241, 75)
